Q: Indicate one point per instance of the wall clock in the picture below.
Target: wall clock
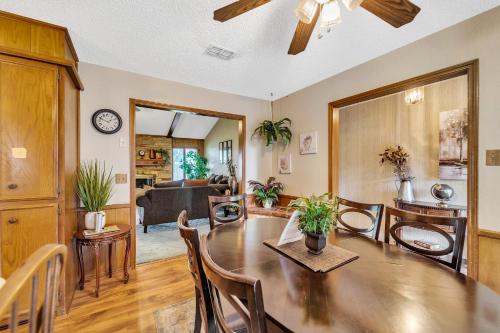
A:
(107, 121)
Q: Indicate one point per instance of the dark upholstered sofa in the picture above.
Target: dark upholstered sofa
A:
(164, 203)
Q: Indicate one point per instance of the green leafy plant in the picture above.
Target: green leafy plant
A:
(164, 155)
(317, 214)
(195, 166)
(94, 185)
(274, 132)
(267, 191)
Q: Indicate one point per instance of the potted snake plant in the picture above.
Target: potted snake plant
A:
(94, 187)
(317, 216)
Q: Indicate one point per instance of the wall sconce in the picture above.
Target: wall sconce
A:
(414, 96)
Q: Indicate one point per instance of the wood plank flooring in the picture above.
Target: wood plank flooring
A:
(128, 307)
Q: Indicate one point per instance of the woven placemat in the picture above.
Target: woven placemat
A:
(331, 258)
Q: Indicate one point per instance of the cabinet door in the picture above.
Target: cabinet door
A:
(28, 129)
(24, 231)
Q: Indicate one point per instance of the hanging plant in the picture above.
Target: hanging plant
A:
(275, 132)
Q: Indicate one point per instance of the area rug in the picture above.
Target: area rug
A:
(176, 318)
(164, 241)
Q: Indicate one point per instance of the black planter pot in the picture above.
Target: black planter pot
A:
(315, 243)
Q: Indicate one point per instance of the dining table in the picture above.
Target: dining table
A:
(387, 289)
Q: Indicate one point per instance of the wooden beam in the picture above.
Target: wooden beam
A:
(176, 120)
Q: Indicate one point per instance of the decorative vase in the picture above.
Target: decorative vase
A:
(90, 218)
(315, 243)
(405, 190)
(268, 203)
(233, 184)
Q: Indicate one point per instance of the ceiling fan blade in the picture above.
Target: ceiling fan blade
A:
(302, 35)
(237, 8)
(395, 12)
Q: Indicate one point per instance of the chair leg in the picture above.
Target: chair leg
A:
(197, 316)
(145, 229)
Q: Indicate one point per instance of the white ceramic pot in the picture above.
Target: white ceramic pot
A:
(268, 203)
(90, 220)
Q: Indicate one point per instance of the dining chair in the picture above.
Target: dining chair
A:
(226, 203)
(373, 211)
(41, 272)
(202, 293)
(431, 224)
(243, 293)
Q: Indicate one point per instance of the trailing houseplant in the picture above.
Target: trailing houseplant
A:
(398, 158)
(94, 187)
(274, 132)
(195, 166)
(266, 194)
(317, 216)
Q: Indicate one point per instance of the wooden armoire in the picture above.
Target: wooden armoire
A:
(39, 142)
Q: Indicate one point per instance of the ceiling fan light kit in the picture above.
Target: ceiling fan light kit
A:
(395, 12)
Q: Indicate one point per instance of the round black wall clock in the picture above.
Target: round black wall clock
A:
(106, 121)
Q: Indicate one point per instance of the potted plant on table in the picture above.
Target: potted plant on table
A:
(398, 158)
(94, 187)
(317, 216)
(266, 194)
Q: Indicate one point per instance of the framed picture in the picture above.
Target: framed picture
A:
(308, 143)
(285, 163)
(225, 151)
(453, 143)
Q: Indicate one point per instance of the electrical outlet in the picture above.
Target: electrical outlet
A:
(493, 157)
(121, 178)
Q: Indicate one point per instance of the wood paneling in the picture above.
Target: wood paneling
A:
(28, 125)
(47, 41)
(489, 259)
(189, 143)
(15, 34)
(130, 307)
(162, 171)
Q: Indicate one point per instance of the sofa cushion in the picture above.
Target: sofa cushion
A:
(195, 182)
(224, 180)
(211, 179)
(218, 178)
(175, 183)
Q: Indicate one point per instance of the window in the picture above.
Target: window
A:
(179, 154)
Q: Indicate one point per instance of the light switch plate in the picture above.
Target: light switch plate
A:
(120, 178)
(493, 157)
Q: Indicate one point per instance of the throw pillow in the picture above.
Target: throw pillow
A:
(211, 179)
(218, 178)
(224, 180)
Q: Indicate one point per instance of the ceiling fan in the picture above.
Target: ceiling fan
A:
(395, 12)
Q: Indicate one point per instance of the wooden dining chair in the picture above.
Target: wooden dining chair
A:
(202, 293)
(41, 272)
(243, 293)
(373, 211)
(429, 223)
(237, 202)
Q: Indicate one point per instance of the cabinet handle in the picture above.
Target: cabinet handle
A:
(12, 186)
(13, 220)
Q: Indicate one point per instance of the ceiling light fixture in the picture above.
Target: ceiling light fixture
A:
(306, 10)
(414, 96)
(330, 14)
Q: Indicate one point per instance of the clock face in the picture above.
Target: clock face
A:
(107, 121)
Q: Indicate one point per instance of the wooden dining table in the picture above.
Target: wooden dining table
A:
(387, 289)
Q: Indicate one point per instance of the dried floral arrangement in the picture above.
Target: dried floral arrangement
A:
(398, 158)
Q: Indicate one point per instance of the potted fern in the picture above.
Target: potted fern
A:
(317, 216)
(94, 187)
(273, 132)
(266, 194)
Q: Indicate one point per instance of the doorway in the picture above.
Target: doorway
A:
(175, 165)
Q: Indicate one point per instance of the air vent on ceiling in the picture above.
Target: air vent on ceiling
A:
(219, 52)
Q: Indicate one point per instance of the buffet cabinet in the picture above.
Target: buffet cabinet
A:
(39, 143)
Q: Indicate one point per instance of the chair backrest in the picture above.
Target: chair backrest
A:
(48, 261)
(191, 238)
(429, 223)
(227, 203)
(373, 211)
(243, 293)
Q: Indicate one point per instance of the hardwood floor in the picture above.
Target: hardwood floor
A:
(130, 307)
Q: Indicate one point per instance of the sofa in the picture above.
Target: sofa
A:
(164, 202)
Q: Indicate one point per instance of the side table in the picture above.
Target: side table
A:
(96, 242)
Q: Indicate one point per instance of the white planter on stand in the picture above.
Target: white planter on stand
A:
(90, 218)
(268, 203)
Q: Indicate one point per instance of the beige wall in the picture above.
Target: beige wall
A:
(109, 88)
(225, 129)
(366, 129)
(478, 37)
